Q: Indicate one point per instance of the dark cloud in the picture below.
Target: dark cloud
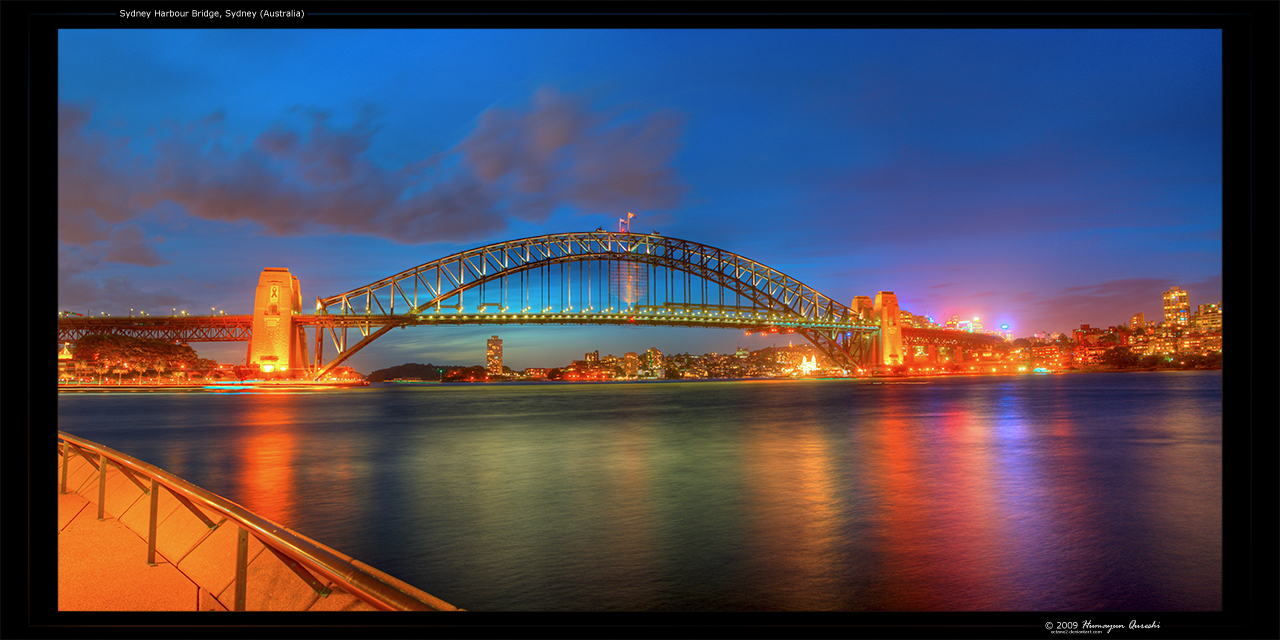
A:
(97, 178)
(129, 245)
(519, 162)
(114, 293)
(559, 151)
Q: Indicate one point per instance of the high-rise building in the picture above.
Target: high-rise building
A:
(1177, 309)
(1138, 321)
(493, 353)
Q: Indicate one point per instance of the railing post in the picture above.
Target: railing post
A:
(242, 568)
(102, 485)
(151, 527)
(66, 461)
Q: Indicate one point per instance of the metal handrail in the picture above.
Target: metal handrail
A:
(357, 581)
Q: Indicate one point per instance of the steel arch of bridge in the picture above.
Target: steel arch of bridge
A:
(415, 295)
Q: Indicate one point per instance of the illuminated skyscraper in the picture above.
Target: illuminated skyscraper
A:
(494, 354)
(1177, 309)
(1138, 321)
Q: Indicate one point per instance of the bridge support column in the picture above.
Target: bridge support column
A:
(889, 347)
(277, 346)
(933, 353)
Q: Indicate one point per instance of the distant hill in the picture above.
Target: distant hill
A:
(409, 371)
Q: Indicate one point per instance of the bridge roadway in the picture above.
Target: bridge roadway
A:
(239, 328)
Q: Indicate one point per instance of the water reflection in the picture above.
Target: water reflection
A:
(797, 525)
(1038, 493)
(268, 449)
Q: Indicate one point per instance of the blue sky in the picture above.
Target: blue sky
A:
(1039, 178)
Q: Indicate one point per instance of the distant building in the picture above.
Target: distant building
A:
(493, 353)
(592, 357)
(1138, 321)
(653, 362)
(1208, 318)
(1049, 356)
(1177, 309)
(631, 363)
(64, 362)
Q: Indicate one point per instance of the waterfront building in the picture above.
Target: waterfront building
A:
(1211, 342)
(1189, 343)
(631, 363)
(1089, 353)
(1208, 318)
(65, 361)
(1087, 335)
(1177, 308)
(653, 363)
(1138, 321)
(493, 353)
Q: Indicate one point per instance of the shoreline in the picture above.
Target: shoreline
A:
(238, 385)
(212, 385)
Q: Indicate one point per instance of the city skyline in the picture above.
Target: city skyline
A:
(1040, 179)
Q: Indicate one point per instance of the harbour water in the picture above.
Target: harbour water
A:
(1070, 492)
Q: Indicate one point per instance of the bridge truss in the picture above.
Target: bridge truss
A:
(238, 328)
(598, 277)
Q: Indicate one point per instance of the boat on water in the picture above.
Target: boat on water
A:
(412, 381)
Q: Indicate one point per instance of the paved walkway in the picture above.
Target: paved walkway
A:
(102, 566)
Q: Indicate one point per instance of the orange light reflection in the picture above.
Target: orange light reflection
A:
(270, 445)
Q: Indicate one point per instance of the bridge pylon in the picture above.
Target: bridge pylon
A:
(889, 344)
(278, 345)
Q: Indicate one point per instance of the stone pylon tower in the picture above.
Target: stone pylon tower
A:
(277, 346)
(889, 347)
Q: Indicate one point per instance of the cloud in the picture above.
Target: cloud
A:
(93, 294)
(96, 178)
(559, 151)
(130, 246)
(521, 162)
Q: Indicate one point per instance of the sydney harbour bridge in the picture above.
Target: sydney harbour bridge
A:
(590, 278)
